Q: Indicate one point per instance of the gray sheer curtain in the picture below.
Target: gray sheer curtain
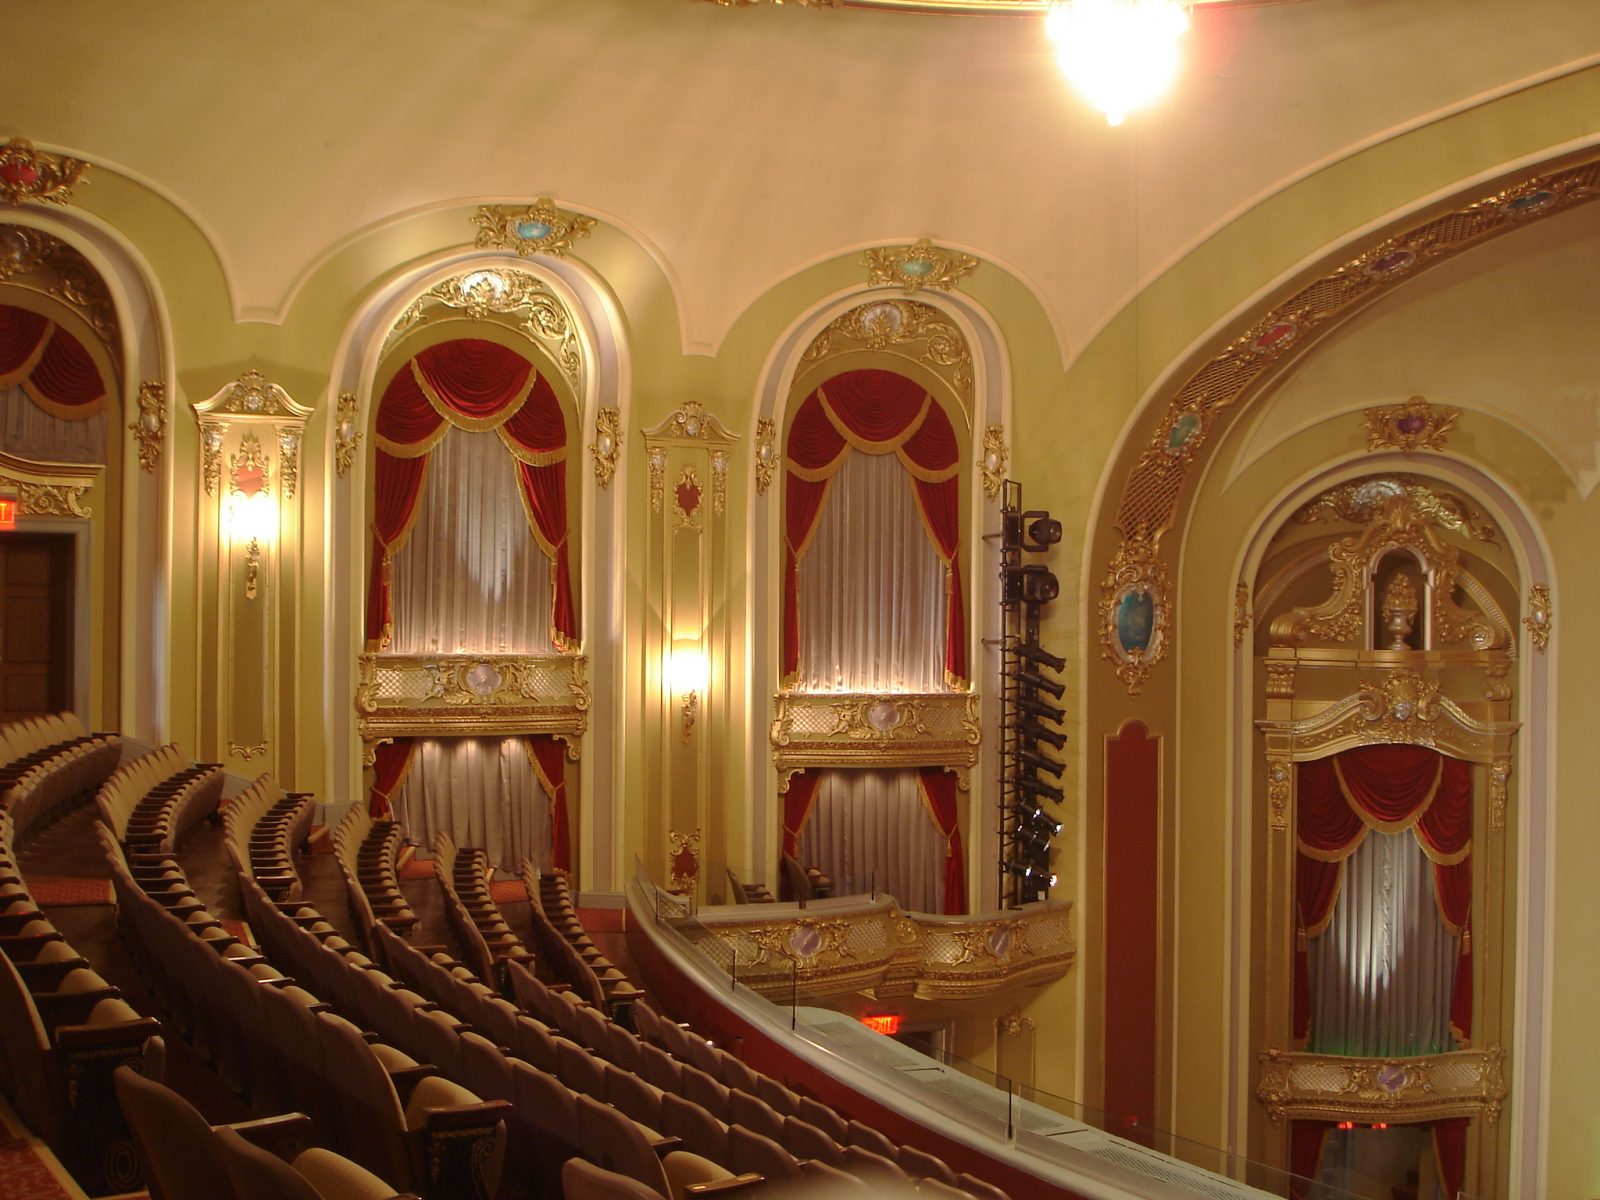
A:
(482, 792)
(866, 822)
(871, 588)
(471, 578)
(27, 431)
(1383, 970)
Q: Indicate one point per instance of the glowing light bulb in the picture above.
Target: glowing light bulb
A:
(1121, 54)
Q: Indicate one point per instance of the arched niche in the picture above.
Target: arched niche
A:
(568, 317)
(949, 343)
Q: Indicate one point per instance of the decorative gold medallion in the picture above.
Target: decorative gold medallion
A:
(1135, 613)
(346, 434)
(995, 457)
(917, 266)
(1414, 425)
(29, 174)
(1539, 618)
(907, 326)
(537, 228)
(607, 444)
(150, 426)
(1241, 612)
(766, 454)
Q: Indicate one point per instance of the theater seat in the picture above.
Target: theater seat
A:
(584, 1181)
(313, 1175)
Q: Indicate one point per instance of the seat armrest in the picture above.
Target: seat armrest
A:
(734, 1183)
(285, 1135)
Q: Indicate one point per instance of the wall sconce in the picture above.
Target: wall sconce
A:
(687, 671)
(252, 512)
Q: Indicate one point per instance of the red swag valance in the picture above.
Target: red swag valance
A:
(52, 366)
(473, 385)
(875, 412)
(1391, 789)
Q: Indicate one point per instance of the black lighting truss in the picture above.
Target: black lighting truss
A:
(1030, 713)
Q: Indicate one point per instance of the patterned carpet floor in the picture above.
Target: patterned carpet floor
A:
(64, 891)
(28, 1170)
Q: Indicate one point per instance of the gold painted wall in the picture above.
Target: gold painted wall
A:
(1073, 435)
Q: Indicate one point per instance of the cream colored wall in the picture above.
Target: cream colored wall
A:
(1074, 433)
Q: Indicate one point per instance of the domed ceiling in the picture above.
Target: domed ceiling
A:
(740, 143)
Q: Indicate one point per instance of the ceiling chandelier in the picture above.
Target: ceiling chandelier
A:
(1121, 54)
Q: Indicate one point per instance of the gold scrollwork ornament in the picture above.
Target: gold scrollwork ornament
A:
(1540, 617)
(917, 266)
(29, 174)
(346, 434)
(607, 444)
(995, 457)
(766, 453)
(150, 426)
(537, 228)
(1414, 425)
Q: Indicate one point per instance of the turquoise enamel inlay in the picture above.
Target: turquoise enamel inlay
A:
(1136, 620)
(917, 267)
(1184, 428)
(533, 231)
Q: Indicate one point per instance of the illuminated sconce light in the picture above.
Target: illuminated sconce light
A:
(1121, 54)
(687, 672)
(251, 511)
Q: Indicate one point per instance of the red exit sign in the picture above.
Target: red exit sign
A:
(8, 512)
(884, 1023)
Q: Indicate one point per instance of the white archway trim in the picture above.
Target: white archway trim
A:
(467, 205)
(1533, 908)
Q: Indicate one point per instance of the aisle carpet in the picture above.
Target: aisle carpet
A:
(63, 891)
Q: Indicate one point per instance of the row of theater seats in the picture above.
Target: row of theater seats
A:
(281, 1045)
(62, 1029)
(485, 937)
(150, 801)
(367, 850)
(272, 1159)
(567, 1099)
(262, 830)
(559, 1059)
(49, 763)
(569, 955)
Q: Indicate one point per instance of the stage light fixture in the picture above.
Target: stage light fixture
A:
(1039, 656)
(1032, 679)
(1038, 787)
(1032, 814)
(1034, 874)
(1038, 762)
(1044, 530)
(1041, 709)
(1029, 728)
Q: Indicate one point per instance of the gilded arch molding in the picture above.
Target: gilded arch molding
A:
(1222, 383)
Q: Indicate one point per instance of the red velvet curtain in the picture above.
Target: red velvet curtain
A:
(473, 385)
(1306, 1140)
(389, 772)
(549, 760)
(875, 412)
(1389, 788)
(797, 802)
(50, 364)
(939, 793)
(1450, 1154)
